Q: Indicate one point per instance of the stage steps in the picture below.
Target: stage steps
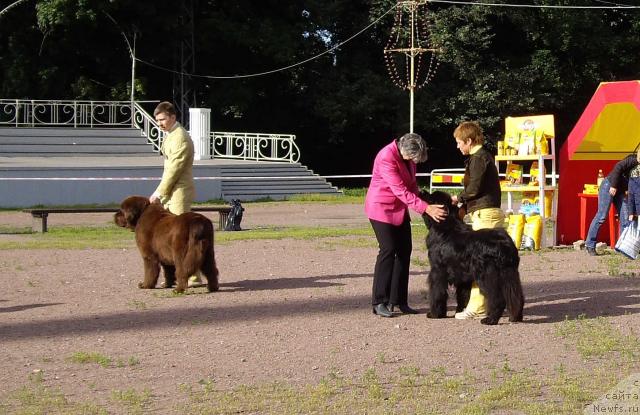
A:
(82, 166)
(74, 142)
(271, 180)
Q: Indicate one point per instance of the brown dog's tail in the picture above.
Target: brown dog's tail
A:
(200, 238)
(200, 256)
(513, 295)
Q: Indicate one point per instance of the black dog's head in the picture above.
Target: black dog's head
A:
(130, 211)
(454, 214)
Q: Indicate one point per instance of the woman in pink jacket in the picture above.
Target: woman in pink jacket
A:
(392, 191)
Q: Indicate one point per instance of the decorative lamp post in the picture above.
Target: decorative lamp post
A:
(410, 40)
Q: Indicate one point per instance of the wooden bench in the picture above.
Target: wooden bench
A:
(40, 215)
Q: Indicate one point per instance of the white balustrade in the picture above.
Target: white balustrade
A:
(255, 146)
(98, 114)
(41, 113)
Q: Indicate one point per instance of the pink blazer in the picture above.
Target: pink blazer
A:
(393, 188)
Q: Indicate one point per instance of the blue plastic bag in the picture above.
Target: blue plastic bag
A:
(629, 241)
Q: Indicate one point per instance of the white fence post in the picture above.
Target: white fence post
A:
(200, 124)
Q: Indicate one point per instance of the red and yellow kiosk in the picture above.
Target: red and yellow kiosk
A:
(608, 130)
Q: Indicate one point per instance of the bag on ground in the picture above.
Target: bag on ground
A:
(235, 216)
(629, 241)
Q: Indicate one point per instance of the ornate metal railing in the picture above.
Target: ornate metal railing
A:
(40, 113)
(147, 124)
(97, 114)
(249, 146)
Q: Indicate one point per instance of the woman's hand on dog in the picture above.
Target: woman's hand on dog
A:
(437, 212)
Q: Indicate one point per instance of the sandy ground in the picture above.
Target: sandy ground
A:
(287, 310)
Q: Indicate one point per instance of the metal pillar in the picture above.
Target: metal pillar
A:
(184, 96)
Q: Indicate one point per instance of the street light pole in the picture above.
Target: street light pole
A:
(410, 43)
(132, 54)
(412, 81)
(133, 69)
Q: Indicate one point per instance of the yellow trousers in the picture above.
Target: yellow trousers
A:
(488, 218)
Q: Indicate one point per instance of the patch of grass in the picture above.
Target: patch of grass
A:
(519, 391)
(75, 237)
(15, 230)
(420, 262)
(138, 305)
(613, 263)
(332, 244)
(85, 237)
(349, 195)
(37, 398)
(131, 361)
(173, 294)
(90, 357)
(135, 402)
(214, 202)
(294, 232)
(597, 338)
(617, 265)
(406, 390)
(571, 389)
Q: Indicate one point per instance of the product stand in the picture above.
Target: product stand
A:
(543, 160)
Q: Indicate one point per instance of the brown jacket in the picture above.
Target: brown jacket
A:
(481, 182)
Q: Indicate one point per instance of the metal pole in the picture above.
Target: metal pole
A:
(133, 79)
(133, 69)
(412, 80)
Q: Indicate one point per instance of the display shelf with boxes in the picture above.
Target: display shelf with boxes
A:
(527, 160)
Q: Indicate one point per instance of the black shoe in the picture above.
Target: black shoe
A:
(405, 309)
(592, 251)
(382, 310)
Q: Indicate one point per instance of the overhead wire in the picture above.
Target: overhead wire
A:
(614, 6)
(274, 70)
(610, 2)
(532, 6)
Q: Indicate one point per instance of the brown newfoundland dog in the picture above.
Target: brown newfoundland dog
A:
(181, 244)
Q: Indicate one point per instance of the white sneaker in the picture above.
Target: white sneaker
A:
(469, 315)
(194, 281)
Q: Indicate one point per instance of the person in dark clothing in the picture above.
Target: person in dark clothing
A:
(612, 190)
(633, 196)
(481, 195)
(392, 192)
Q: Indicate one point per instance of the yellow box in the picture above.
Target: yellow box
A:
(514, 173)
(590, 189)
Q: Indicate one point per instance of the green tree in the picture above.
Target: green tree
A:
(494, 62)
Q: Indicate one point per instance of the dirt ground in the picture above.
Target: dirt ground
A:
(287, 310)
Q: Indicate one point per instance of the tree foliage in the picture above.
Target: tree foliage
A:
(494, 62)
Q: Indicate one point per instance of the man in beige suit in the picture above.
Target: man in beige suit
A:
(176, 190)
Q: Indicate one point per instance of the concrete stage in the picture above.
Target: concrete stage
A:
(87, 180)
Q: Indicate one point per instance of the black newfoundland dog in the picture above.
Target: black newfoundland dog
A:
(181, 244)
(460, 255)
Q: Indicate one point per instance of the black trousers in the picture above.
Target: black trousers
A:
(391, 273)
